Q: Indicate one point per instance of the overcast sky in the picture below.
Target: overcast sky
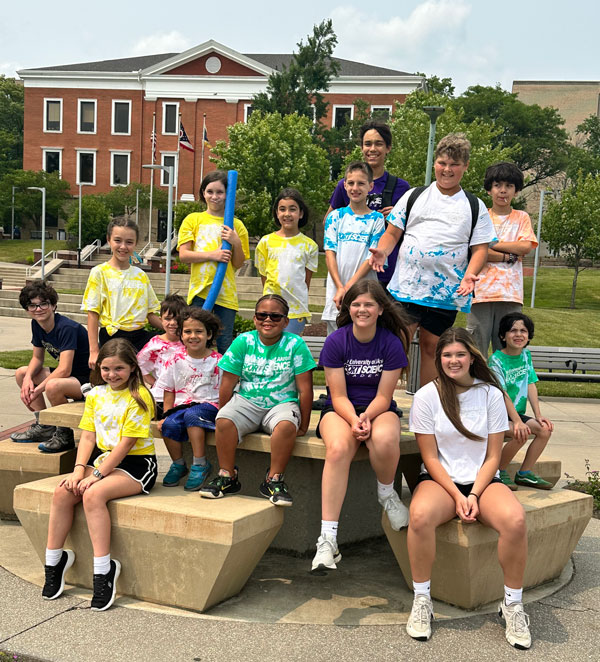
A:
(471, 41)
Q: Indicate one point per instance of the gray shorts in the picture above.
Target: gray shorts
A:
(247, 417)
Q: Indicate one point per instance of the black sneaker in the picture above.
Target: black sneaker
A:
(276, 491)
(319, 403)
(105, 587)
(35, 433)
(221, 486)
(62, 440)
(55, 575)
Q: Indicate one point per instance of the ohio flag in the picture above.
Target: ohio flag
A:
(184, 141)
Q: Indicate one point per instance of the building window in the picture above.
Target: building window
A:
(119, 168)
(170, 116)
(168, 160)
(86, 116)
(121, 118)
(53, 115)
(86, 167)
(247, 112)
(342, 115)
(52, 160)
(381, 112)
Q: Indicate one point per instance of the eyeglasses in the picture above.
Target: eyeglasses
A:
(31, 307)
(276, 317)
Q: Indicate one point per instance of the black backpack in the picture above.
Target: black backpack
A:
(388, 191)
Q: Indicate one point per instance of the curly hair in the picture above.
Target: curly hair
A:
(40, 289)
(456, 146)
(211, 322)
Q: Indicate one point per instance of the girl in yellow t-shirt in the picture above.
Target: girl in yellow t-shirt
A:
(115, 459)
(286, 259)
(199, 244)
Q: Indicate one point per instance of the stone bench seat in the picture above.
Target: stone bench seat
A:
(176, 548)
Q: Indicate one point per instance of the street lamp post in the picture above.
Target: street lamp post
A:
(43, 190)
(12, 214)
(433, 112)
(137, 208)
(170, 170)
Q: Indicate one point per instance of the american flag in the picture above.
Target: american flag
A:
(206, 137)
(153, 143)
(184, 141)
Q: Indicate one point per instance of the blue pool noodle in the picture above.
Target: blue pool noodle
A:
(215, 288)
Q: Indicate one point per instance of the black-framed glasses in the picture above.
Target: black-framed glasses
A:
(44, 305)
(276, 317)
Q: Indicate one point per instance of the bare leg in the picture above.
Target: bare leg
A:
(384, 446)
(175, 448)
(537, 446)
(428, 343)
(227, 441)
(510, 449)
(39, 403)
(197, 440)
(283, 439)
(59, 390)
(61, 515)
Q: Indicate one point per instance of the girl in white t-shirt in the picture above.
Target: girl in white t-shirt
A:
(459, 420)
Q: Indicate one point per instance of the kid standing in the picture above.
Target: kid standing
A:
(191, 397)
(513, 366)
(115, 458)
(272, 370)
(349, 234)
(287, 258)
(499, 290)
(199, 244)
(118, 297)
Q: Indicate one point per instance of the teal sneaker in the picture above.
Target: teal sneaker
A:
(198, 474)
(174, 475)
(530, 479)
(507, 480)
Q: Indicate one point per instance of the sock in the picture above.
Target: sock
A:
(53, 556)
(523, 473)
(200, 460)
(37, 416)
(329, 527)
(180, 462)
(384, 491)
(422, 588)
(512, 595)
(102, 565)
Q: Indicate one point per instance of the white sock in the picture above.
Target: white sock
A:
(180, 462)
(512, 595)
(102, 565)
(422, 588)
(384, 491)
(329, 527)
(200, 460)
(53, 556)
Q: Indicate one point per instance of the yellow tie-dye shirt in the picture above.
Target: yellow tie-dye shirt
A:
(204, 231)
(115, 414)
(283, 261)
(122, 299)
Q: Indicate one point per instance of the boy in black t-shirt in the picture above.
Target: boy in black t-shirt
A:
(66, 341)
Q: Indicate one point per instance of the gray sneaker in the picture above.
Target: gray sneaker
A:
(62, 440)
(35, 433)
(421, 615)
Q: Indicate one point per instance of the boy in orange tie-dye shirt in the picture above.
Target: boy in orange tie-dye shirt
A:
(499, 290)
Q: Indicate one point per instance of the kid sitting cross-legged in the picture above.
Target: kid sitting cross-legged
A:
(190, 383)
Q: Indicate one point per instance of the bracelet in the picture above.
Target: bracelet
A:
(475, 495)
(79, 465)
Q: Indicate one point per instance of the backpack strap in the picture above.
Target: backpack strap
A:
(416, 192)
(474, 204)
(388, 191)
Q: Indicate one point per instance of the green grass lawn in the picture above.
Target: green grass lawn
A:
(18, 250)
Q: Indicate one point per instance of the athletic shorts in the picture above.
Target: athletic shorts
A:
(525, 418)
(465, 489)
(359, 409)
(138, 337)
(247, 417)
(199, 415)
(142, 468)
(434, 320)
(82, 379)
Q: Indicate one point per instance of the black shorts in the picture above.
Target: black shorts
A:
(434, 320)
(526, 418)
(82, 379)
(359, 409)
(142, 468)
(464, 489)
(137, 338)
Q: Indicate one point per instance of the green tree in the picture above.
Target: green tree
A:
(571, 225)
(300, 86)
(540, 145)
(182, 209)
(585, 154)
(12, 105)
(95, 216)
(121, 200)
(437, 85)
(272, 152)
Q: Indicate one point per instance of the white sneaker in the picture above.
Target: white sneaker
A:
(517, 624)
(327, 554)
(421, 615)
(396, 511)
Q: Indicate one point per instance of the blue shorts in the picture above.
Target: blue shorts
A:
(201, 415)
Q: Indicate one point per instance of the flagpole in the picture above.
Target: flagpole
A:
(153, 149)
(178, 150)
(203, 143)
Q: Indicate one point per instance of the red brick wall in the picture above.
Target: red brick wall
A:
(198, 68)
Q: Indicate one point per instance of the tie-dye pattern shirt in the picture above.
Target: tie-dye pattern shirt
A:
(192, 380)
(283, 262)
(514, 373)
(122, 299)
(267, 372)
(154, 356)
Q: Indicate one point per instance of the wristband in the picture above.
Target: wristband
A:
(475, 495)
(79, 465)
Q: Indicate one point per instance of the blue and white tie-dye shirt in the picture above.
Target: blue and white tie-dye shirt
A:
(433, 256)
(349, 236)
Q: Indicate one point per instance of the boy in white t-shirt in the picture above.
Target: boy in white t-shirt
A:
(435, 273)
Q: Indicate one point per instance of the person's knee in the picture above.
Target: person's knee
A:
(225, 428)
(20, 374)
(513, 524)
(93, 499)
(54, 388)
(428, 343)
(61, 495)
(420, 517)
(285, 429)
(339, 453)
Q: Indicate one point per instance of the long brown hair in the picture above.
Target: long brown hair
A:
(446, 386)
(124, 350)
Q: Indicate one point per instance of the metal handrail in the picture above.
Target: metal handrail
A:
(50, 254)
(163, 245)
(90, 249)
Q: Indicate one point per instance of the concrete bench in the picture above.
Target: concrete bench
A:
(175, 548)
(466, 572)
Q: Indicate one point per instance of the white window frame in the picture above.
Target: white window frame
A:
(164, 118)
(113, 117)
(247, 107)
(341, 105)
(46, 130)
(79, 102)
(163, 173)
(52, 149)
(87, 151)
(120, 152)
(384, 106)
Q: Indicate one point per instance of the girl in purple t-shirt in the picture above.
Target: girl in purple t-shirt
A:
(363, 360)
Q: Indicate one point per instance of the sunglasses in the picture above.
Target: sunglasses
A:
(276, 317)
